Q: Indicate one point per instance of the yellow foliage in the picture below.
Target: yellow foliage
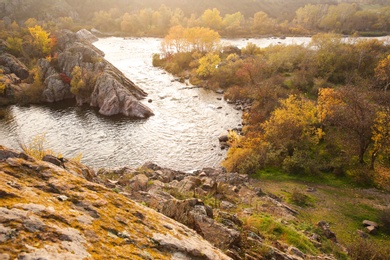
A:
(180, 39)
(328, 99)
(381, 132)
(2, 88)
(77, 83)
(40, 39)
(294, 121)
(35, 148)
(208, 65)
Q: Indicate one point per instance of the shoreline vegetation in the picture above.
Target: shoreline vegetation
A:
(315, 115)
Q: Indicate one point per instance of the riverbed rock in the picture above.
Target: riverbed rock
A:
(86, 35)
(92, 222)
(14, 65)
(105, 86)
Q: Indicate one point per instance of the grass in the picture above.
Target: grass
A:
(272, 230)
(336, 200)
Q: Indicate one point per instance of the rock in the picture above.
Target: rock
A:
(93, 222)
(327, 232)
(107, 87)
(361, 234)
(223, 138)
(226, 205)
(208, 184)
(371, 229)
(112, 98)
(370, 223)
(188, 184)
(295, 251)
(14, 65)
(52, 159)
(62, 198)
(139, 182)
(86, 35)
(55, 90)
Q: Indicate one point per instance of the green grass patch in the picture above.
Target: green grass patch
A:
(323, 178)
(273, 229)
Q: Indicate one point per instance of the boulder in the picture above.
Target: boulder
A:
(112, 98)
(86, 35)
(370, 223)
(223, 138)
(14, 65)
(55, 90)
(327, 232)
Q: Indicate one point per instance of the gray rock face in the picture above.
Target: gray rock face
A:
(14, 65)
(86, 35)
(56, 89)
(105, 86)
(112, 98)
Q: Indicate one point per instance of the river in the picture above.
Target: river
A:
(183, 133)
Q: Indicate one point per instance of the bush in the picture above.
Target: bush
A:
(299, 198)
(385, 218)
(363, 249)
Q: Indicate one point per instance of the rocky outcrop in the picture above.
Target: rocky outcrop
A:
(52, 212)
(210, 202)
(104, 87)
(13, 65)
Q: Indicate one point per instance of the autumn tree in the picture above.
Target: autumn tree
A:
(212, 19)
(381, 135)
(350, 110)
(180, 39)
(232, 23)
(293, 123)
(40, 40)
(208, 65)
(262, 23)
(310, 16)
(382, 72)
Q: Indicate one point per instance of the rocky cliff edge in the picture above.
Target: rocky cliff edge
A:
(49, 210)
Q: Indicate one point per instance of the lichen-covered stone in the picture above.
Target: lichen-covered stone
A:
(92, 223)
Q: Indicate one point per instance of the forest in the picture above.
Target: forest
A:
(228, 18)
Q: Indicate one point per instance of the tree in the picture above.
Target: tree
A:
(208, 65)
(293, 124)
(212, 19)
(77, 83)
(382, 72)
(381, 134)
(41, 40)
(310, 16)
(129, 24)
(232, 22)
(180, 39)
(349, 109)
(262, 24)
